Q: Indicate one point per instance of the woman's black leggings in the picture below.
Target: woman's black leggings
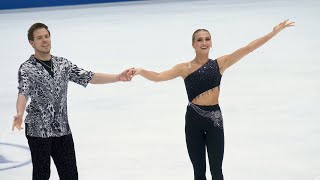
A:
(204, 128)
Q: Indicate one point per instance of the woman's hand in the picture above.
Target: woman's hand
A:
(283, 25)
(136, 71)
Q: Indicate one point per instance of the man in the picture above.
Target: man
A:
(44, 78)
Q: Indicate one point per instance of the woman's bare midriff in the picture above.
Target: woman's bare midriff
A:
(208, 98)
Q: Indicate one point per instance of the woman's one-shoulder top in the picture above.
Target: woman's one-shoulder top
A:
(203, 79)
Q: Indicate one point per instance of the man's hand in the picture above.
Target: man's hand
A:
(126, 75)
(17, 122)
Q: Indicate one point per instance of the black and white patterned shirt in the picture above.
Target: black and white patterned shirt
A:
(47, 112)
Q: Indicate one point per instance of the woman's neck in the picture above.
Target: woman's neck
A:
(201, 59)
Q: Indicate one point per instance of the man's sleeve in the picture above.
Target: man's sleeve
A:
(79, 75)
(23, 81)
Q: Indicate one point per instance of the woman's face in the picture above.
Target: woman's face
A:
(202, 42)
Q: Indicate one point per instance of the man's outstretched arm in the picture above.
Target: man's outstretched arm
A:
(102, 78)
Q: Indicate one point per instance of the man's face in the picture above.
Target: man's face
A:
(41, 41)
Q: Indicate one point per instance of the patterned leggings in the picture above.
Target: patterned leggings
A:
(204, 129)
(61, 149)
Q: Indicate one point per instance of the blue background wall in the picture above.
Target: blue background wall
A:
(16, 4)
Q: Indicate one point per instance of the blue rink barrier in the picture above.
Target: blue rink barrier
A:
(18, 4)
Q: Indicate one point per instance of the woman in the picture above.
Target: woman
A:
(202, 76)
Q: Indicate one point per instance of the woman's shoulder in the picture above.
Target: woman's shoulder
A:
(182, 64)
(221, 60)
(183, 67)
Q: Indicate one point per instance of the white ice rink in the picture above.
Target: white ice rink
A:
(135, 131)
